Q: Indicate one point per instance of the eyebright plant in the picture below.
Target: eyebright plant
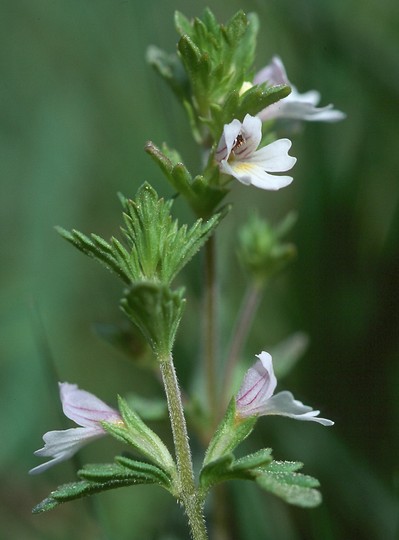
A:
(232, 121)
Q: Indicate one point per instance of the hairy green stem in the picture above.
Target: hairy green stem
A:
(209, 323)
(242, 327)
(188, 492)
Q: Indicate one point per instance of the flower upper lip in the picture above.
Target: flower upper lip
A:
(256, 396)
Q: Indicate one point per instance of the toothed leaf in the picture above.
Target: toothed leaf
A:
(294, 488)
(156, 310)
(136, 433)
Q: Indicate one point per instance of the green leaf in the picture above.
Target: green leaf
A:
(100, 472)
(170, 69)
(77, 490)
(157, 247)
(182, 180)
(235, 28)
(161, 246)
(217, 471)
(211, 22)
(237, 106)
(173, 169)
(47, 504)
(197, 64)
(229, 434)
(136, 433)
(202, 197)
(146, 236)
(156, 310)
(227, 468)
(294, 488)
(278, 477)
(145, 469)
(208, 197)
(258, 98)
(244, 55)
(101, 251)
(253, 461)
(162, 158)
(190, 54)
(182, 24)
(221, 114)
(124, 468)
(284, 467)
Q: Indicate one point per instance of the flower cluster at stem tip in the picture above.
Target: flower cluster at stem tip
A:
(237, 153)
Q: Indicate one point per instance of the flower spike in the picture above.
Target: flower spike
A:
(88, 412)
(295, 106)
(237, 155)
(255, 397)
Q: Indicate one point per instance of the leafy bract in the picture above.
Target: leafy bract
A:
(212, 64)
(103, 477)
(199, 191)
(229, 434)
(294, 488)
(156, 310)
(136, 433)
(229, 468)
(278, 477)
(156, 247)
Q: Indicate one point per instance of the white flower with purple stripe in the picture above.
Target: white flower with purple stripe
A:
(295, 106)
(237, 155)
(88, 412)
(255, 397)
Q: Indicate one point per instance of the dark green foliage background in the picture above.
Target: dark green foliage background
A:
(78, 103)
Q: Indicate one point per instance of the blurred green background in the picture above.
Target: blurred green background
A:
(78, 103)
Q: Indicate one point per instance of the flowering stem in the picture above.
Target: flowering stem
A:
(188, 493)
(242, 327)
(210, 322)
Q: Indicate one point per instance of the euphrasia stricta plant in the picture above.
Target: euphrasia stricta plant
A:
(233, 113)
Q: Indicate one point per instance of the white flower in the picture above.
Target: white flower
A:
(295, 106)
(87, 411)
(255, 396)
(238, 156)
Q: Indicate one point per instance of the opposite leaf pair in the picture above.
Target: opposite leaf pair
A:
(255, 398)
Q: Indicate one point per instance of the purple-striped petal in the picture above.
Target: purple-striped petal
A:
(83, 407)
(257, 387)
(87, 411)
(295, 106)
(255, 397)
